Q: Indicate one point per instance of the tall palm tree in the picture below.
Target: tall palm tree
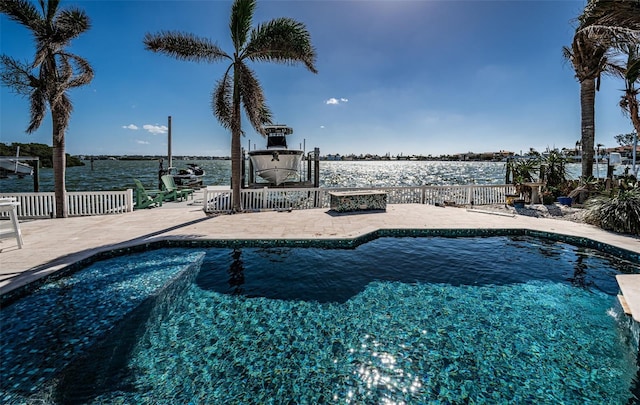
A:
(602, 25)
(589, 59)
(52, 73)
(281, 40)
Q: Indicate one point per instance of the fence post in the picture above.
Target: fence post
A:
(129, 202)
(205, 200)
(265, 192)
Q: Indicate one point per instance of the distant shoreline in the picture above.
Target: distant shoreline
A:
(327, 158)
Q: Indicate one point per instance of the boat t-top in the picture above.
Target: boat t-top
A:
(277, 163)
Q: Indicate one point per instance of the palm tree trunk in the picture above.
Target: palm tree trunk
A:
(634, 112)
(236, 158)
(59, 167)
(236, 169)
(587, 107)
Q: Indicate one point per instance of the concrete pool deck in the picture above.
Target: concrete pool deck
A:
(52, 244)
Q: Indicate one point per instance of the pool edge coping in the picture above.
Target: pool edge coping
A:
(57, 271)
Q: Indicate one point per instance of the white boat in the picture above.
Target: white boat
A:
(277, 163)
(11, 165)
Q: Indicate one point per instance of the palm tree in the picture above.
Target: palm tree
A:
(52, 73)
(629, 72)
(589, 60)
(281, 40)
(602, 25)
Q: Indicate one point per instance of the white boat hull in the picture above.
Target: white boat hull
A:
(276, 165)
(14, 166)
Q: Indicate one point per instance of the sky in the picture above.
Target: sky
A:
(421, 77)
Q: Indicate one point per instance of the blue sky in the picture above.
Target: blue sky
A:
(410, 77)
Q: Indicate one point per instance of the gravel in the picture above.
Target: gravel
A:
(555, 211)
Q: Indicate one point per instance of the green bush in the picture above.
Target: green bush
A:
(620, 213)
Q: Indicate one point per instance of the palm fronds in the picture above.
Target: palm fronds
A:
(241, 21)
(222, 101)
(282, 40)
(184, 46)
(252, 97)
(618, 214)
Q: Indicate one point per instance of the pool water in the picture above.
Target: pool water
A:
(395, 320)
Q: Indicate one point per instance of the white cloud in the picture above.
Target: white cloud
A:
(156, 129)
(336, 101)
(322, 126)
(138, 141)
(130, 126)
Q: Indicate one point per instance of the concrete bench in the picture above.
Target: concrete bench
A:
(359, 200)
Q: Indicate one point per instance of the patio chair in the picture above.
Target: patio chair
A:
(146, 198)
(170, 187)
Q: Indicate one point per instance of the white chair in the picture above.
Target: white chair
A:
(10, 205)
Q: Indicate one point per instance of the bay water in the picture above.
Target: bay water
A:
(104, 175)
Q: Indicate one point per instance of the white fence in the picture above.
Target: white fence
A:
(216, 199)
(219, 200)
(79, 203)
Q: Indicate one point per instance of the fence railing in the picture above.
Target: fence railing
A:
(79, 203)
(215, 199)
(219, 200)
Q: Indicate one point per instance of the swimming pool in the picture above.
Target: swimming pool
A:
(394, 320)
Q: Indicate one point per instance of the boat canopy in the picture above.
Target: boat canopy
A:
(276, 135)
(278, 129)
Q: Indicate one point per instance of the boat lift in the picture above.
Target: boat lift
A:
(36, 168)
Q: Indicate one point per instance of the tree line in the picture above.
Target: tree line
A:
(39, 150)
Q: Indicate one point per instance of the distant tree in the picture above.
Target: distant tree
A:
(281, 40)
(625, 139)
(39, 150)
(603, 24)
(53, 72)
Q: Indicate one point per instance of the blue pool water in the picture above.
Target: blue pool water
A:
(395, 320)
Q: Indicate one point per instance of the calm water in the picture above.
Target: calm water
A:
(117, 175)
(396, 320)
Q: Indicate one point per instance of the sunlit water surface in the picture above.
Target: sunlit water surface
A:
(119, 174)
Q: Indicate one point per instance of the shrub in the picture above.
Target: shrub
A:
(620, 213)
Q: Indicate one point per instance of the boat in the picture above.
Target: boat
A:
(277, 163)
(190, 177)
(11, 165)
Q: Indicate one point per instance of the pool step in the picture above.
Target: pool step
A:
(630, 297)
(623, 303)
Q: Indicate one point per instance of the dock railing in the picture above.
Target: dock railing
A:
(79, 203)
(218, 200)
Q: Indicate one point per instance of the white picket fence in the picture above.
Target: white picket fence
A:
(79, 203)
(219, 200)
